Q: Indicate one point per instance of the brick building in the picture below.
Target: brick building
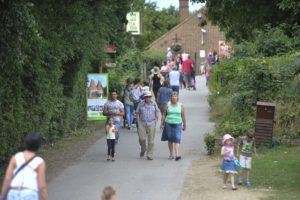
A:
(189, 37)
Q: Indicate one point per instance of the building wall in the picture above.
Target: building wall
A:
(189, 35)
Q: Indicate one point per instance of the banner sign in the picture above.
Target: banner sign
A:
(97, 94)
(202, 53)
(133, 24)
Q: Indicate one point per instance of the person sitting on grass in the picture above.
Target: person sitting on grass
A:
(245, 148)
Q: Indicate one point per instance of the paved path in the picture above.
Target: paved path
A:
(135, 178)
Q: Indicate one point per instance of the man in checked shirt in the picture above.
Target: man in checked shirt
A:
(147, 116)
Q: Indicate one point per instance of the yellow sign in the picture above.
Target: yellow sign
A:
(133, 25)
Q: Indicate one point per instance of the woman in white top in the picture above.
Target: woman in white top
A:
(111, 139)
(30, 181)
(175, 80)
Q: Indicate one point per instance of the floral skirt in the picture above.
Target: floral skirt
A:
(228, 166)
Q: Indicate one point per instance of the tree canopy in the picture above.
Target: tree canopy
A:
(156, 22)
(239, 18)
(46, 49)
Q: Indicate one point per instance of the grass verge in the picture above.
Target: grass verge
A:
(278, 169)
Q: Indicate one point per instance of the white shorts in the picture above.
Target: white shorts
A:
(245, 161)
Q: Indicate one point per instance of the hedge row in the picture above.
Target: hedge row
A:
(238, 83)
(46, 48)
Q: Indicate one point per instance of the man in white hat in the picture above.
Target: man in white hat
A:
(147, 116)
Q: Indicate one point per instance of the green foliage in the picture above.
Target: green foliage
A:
(268, 42)
(46, 50)
(156, 22)
(153, 58)
(238, 19)
(210, 143)
(128, 66)
(237, 84)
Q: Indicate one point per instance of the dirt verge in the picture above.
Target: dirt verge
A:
(204, 182)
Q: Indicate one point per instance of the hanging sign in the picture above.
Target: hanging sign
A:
(202, 53)
(97, 94)
(133, 24)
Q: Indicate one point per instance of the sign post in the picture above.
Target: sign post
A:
(134, 23)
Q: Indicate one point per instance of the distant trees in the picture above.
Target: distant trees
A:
(156, 23)
(238, 19)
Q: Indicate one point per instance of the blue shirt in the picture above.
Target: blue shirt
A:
(164, 95)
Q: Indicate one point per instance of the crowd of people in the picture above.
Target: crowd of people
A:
(143, 103)
(142, 109)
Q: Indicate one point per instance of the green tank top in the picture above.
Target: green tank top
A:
(174, 114)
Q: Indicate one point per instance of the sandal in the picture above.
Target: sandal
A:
(178, 158)
(171, 158)
(234, 188)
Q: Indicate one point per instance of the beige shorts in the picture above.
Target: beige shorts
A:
(245, 161)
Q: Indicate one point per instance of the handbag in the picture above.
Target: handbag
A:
(237, 163)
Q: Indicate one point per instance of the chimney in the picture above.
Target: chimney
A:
(183, 9)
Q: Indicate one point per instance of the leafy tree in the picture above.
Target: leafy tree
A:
(156, 23)
(238, 18)
(46, 50)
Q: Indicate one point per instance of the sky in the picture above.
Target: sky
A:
(166, 3)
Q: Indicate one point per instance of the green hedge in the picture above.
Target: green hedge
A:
(129, 65)
(237, 84)
(46, 48)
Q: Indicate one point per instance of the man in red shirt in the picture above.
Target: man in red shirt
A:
(188, 66)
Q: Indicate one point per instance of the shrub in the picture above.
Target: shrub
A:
(210, 141)
(237, 84)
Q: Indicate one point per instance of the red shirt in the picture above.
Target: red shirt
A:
(187, 65)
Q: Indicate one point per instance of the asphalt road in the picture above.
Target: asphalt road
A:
(132, 177)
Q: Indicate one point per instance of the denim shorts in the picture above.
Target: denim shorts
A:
(24, 194)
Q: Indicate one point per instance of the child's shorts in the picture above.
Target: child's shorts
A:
(245, 161)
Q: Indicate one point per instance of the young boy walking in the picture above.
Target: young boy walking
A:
(245, 148)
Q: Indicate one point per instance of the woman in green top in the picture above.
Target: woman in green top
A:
(172, 122)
